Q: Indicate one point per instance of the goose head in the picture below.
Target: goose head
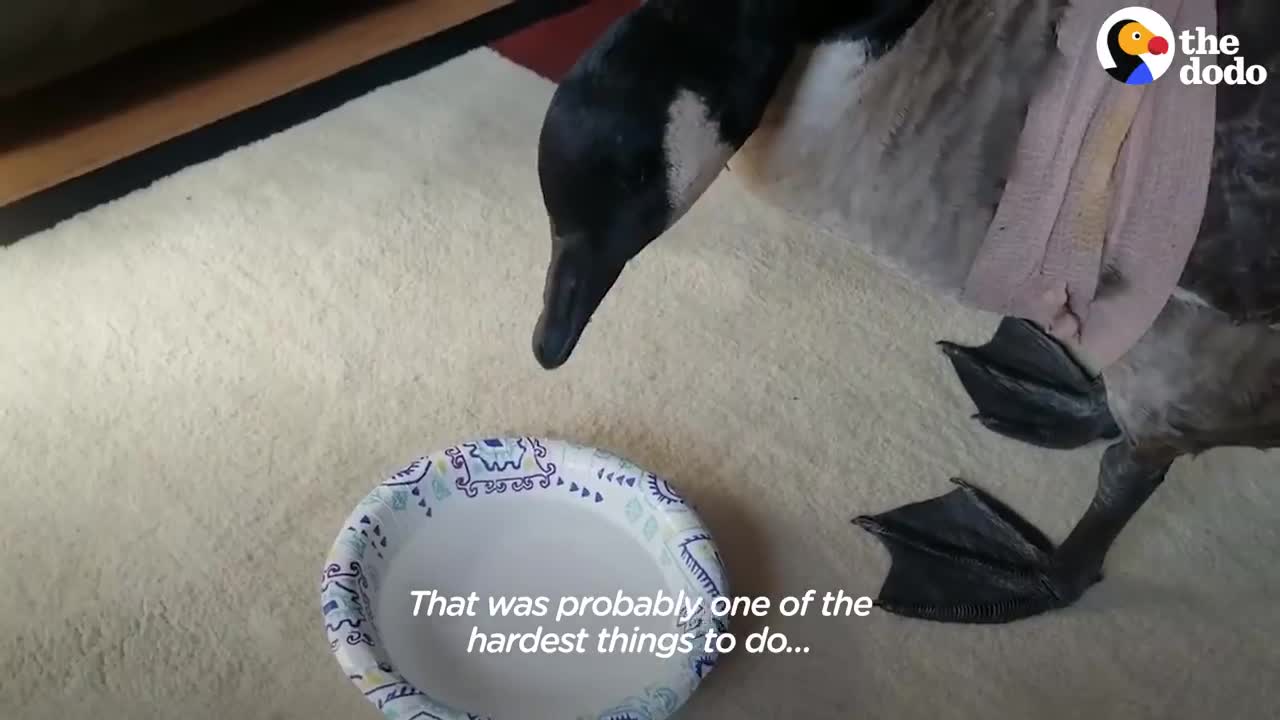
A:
(644, 123)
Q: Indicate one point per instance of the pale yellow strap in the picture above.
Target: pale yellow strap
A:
(1090, 192)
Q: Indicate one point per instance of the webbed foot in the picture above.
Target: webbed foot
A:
(1028, 387)
(965, 557)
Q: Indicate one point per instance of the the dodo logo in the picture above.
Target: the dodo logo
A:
(1136, 46)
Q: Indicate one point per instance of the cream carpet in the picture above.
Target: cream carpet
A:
(199, 381)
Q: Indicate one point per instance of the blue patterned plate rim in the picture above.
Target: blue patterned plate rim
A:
(648, 505)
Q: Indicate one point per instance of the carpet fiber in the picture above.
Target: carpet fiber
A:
(198, 381)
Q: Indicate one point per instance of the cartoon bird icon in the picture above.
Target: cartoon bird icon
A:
(1129, 41)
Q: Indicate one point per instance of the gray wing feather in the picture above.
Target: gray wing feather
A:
(1235, 264)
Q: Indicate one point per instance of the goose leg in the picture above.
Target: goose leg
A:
(1026, 386)
(965, 557)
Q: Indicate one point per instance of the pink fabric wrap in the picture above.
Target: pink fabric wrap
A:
(1108, 176)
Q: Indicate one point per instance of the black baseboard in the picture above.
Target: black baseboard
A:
(49, 207)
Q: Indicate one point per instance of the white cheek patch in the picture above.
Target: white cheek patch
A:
(829, 84)
(694, 151)
(817, 138)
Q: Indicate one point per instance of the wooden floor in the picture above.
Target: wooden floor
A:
(142, 100)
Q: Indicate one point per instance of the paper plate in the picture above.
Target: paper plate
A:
(521, 517)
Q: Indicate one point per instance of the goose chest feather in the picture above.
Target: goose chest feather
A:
(905, 147)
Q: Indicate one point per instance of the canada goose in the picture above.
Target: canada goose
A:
(913, 163)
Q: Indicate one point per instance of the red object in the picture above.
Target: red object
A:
(1158, 46)
(551, 47)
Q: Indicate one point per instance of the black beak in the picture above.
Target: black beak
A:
(577, 282)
